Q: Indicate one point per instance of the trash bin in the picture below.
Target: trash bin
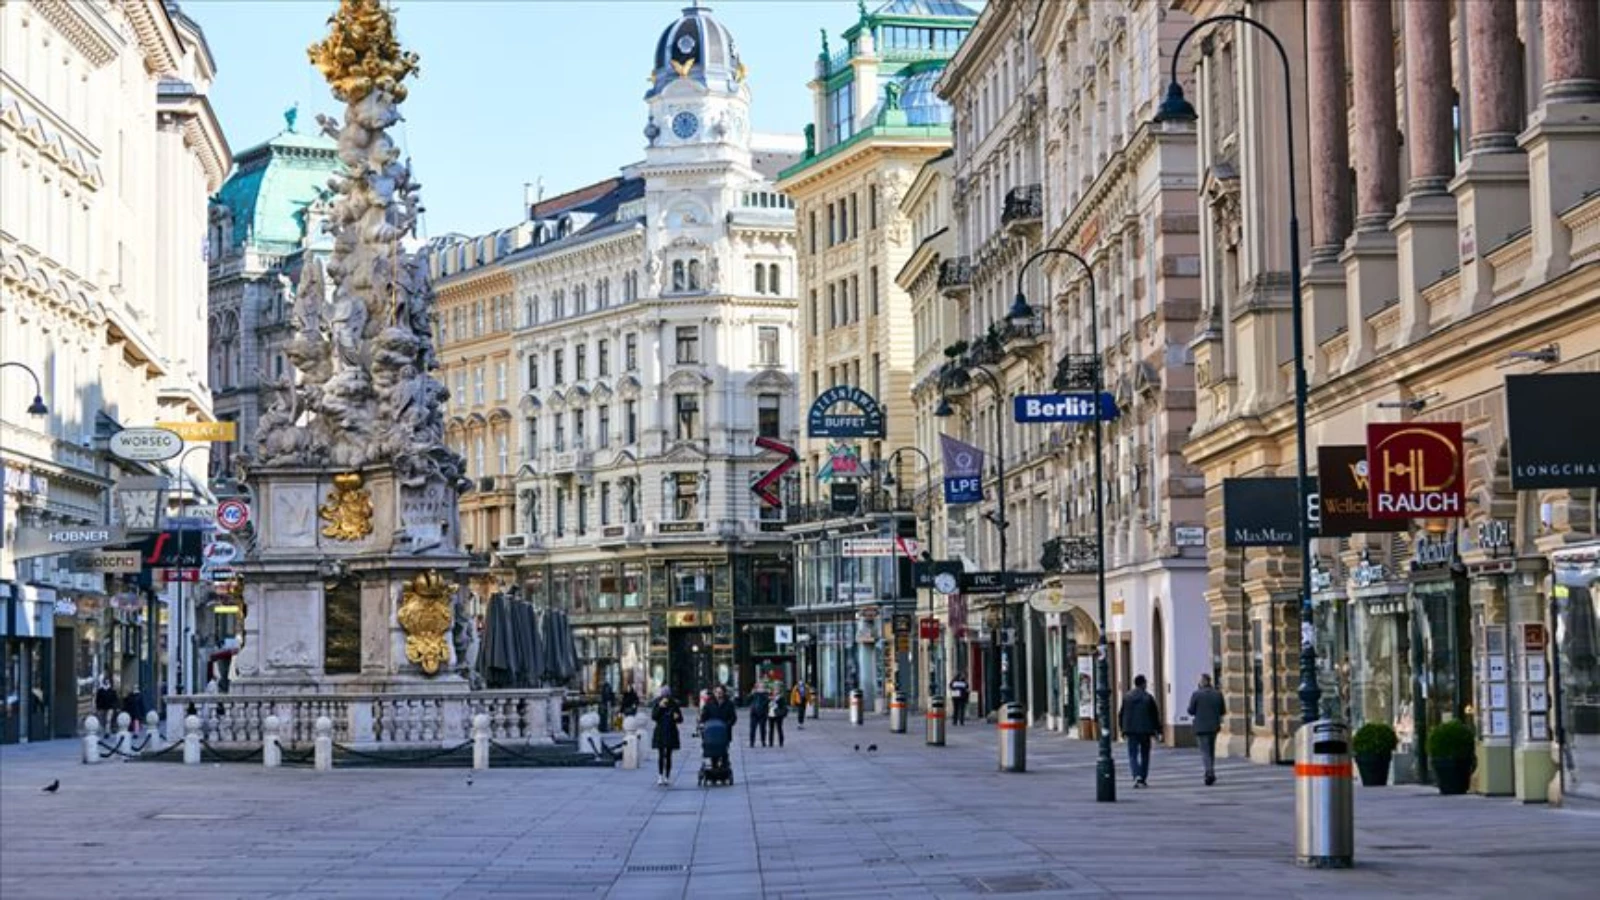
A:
(855, 707)
(936, 722)
(1324, 814)
(897, 713)
(1013, 731)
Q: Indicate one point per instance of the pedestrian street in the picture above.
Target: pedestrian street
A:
(816, 818)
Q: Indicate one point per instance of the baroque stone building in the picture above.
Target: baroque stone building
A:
(655, 342)
(1466, 250)
(877, 121)
(108, 150)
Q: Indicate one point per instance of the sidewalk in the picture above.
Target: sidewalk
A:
(816, 819)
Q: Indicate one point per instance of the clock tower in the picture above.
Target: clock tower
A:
(697, 156)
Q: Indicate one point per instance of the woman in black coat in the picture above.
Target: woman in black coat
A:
(667, 715)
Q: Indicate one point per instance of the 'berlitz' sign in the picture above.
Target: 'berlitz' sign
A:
(1063, 407)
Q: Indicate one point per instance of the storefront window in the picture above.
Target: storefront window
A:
(582, 587)
(560, 589)
(1577, 643)
(632, 585)
(609, 588)
(691, 584)
(1381, 669)
(1444, 624)
(764, 582)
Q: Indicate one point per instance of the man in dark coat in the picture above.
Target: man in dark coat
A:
(1206, 708)
(1141, 721)
(759, 702)
(667, 716)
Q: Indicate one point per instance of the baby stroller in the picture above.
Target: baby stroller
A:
(715, 738)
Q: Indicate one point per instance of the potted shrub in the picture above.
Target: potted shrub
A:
(1453, 754)
(1373, 748)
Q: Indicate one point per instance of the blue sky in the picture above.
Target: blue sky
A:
(511, 90)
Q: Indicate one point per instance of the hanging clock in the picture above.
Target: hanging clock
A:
(685, 125)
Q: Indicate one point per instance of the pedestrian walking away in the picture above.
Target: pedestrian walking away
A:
(759, 705)
(1141, 722)
(667, 715)
(959, 691)
(105, 702)
(1207, 709)
(780, 711)
(798, 697)
(608, 702)
(630, 700)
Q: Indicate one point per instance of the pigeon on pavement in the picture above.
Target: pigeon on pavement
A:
(53, 786)
(872, 748)
(858, 748)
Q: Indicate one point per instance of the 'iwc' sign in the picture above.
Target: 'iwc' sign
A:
(822, 421)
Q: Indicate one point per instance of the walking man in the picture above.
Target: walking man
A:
(958, 697)
(1141, 721)
(1207, 708)
(759, 702)
(798, 698)
(780, 710)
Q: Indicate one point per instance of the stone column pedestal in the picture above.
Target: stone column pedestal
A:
(1371, 273)
(1563, 147)
(1491, 191)
(1322, 287)
(1424, 230)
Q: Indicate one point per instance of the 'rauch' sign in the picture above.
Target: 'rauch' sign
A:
(1415, 470)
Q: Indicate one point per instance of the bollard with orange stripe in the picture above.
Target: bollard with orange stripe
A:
(1012, 730)
(1323, 802)
(897, 713)
(935, 721)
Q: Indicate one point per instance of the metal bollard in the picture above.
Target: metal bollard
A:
(1013, 731)
(91, 741)
(322, 744)
(936, 722)
(855, 708)
(897, 713)
(480, 741)
(1324, 813)
(191, 740)
(271, 749)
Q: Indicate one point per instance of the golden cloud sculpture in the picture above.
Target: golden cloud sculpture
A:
(361, 53)
(426, 616)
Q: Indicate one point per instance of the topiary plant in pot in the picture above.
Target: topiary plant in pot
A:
(1374, 749)
(1453, 754)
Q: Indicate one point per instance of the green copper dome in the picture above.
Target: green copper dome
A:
(271, 185)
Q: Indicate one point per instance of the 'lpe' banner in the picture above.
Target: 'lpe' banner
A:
(963, 471)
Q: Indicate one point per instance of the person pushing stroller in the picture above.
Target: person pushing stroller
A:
(717, 717)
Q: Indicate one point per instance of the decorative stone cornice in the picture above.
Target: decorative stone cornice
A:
(157, 39)
(75, 21)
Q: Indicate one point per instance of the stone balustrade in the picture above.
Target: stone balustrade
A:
(375, 721)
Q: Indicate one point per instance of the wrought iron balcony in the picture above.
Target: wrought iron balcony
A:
(1070, 555)
(1075, 372)
(1023, 206)
(955, 276)
(1024, 335)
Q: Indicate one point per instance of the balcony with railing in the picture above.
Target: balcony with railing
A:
(1024, 207)
(880, 501)
(955, 276)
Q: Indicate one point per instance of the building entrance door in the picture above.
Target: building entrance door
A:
(689, 663)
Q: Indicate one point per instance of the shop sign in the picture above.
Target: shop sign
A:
(1260, 512)
(1386, 607)
(867, 422)
(844, 497)
(1493, 534)
(1534, 636)
(66, 606)
(783, 634)
(1554, 425)
(145, 444)
(32, 542)
(1367, 573)
(689, 618)
(1074, 407)
(105, 562)
(862, 547)
(928, 629)
(1433, 551)
(1416, 470)
(1321, 579)
(682, 527)
(1342, 487)
(1189, 536)
(203, 432)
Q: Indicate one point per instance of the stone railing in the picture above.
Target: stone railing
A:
(376, 721)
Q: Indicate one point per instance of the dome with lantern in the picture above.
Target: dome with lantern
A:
(696, 46)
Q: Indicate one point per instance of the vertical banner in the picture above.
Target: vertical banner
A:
(963, 471)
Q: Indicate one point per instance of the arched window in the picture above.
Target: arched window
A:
(761, 278)
(678, 281)
(694, 274)
(774, 283)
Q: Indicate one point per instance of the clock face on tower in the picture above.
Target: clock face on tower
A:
(685, 125)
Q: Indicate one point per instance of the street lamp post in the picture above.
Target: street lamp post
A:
(1176, 109)
(927, 489)
(1105, 779)
(180, 636)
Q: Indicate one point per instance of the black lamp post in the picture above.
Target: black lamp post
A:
(1105, 778)
(927, 489)
(37, 407)
(1174, 108)
(999, 517)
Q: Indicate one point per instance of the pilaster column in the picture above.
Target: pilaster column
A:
(1329, 128)
(1425, 224)
(1563, 137)
(1491, 185)
(1369, 255)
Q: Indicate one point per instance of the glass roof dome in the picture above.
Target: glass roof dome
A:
(922, 106)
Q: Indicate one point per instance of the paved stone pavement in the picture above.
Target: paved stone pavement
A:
(813, 820)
